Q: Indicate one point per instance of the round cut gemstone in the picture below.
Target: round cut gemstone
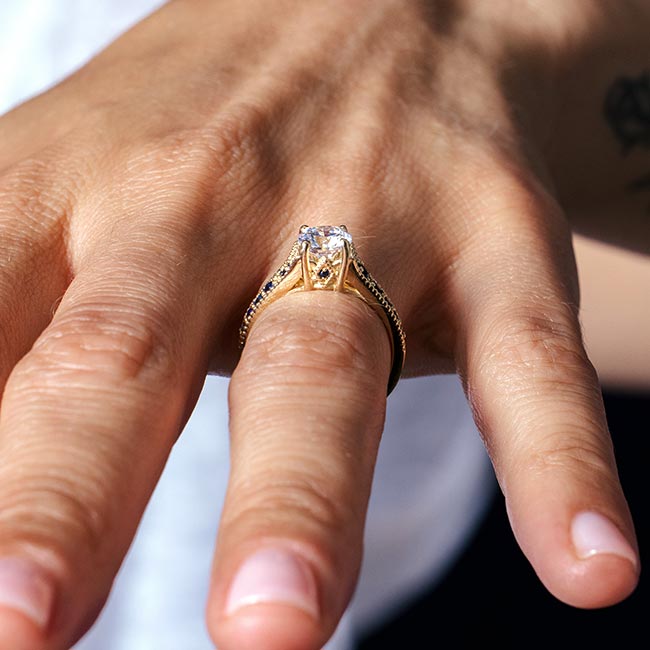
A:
(325, 241)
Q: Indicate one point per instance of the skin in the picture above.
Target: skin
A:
(144, 200)
(615, 314)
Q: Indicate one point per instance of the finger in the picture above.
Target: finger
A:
(307, 409)
(88, 418)
(537, 400)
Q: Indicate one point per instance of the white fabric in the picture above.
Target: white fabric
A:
(432, 481)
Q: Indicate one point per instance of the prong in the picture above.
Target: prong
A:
(306, 267)
(343, 227)
(345, 261)
(303, 227)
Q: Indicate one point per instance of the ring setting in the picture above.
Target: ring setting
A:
(325, 258)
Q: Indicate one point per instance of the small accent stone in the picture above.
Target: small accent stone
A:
(283, 272)
(250, 311)
(323, 273)
(268, 286)
(258, 298)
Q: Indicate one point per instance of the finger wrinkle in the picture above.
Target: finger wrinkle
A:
(343, 337)
(119, 355)
(317, 515)
(53, 514)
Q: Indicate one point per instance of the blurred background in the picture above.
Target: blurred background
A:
(492, 593)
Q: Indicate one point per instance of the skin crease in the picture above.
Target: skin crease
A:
(144, 200)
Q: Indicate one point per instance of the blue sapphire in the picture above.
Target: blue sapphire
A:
(323, 273)
(268, 287)
(258, 298)
(283, 272)
(250, 311)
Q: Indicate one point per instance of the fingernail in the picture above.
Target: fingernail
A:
(24, 589)
(594, 534)
(274, 575)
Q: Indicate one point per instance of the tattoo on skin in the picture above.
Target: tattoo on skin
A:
(627, 111)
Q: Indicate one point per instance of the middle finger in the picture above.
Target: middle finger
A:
(89, 416)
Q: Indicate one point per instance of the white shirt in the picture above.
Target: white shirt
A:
(432, 481)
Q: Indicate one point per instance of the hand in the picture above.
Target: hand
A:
(144, 200)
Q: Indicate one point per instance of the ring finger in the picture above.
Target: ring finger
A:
(307, 407)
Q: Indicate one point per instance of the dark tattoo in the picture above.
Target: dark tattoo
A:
(627, 110)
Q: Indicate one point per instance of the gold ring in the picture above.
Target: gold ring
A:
(329, 261)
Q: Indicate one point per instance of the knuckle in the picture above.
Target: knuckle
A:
(225, 166)
(243, 158)
(582, 457)
(333, 343)
(312, 344)
(53, 511)
(230, 150)
(92, 342)
(290, 502)
(509, 218)
(545, 344)
(239, 137)
(31, 212)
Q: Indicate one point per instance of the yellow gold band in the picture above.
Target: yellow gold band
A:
(325, 258)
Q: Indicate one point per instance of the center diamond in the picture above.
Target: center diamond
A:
(325, 241)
